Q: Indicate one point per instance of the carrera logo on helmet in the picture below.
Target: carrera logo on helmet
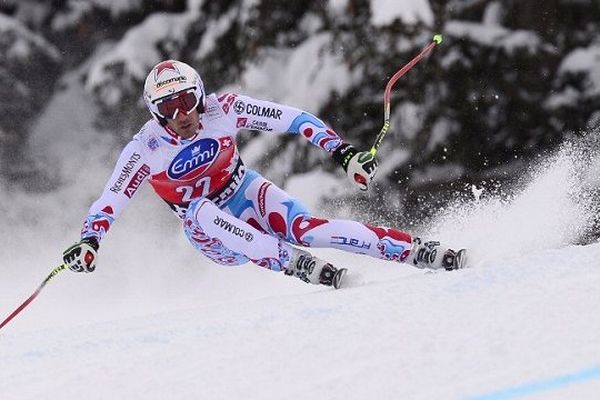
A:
(194, 159)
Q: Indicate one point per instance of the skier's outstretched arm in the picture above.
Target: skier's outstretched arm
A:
(248, 113)
(130, 172)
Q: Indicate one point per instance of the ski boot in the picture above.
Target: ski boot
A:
(432, 255)
(313, 270)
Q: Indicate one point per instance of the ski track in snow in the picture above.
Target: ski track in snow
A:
(164, 323)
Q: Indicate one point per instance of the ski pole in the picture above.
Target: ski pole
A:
(437, 39)
(52, 274)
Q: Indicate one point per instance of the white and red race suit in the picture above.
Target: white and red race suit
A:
(231, 213)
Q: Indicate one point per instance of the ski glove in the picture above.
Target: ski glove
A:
(81, 257)
(360, 167)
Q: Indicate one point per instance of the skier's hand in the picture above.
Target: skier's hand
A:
(81, 257)
(360, 167)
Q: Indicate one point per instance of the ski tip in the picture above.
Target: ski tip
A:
(338, 278)
(438, 38)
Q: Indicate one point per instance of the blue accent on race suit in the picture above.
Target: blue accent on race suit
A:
(323, 136)
(239, 202)
(391, 250)
(295, 209)
(302, 119)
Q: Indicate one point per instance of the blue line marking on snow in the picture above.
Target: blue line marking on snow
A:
(542, 386)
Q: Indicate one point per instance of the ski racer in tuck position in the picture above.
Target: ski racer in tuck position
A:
(230, 213)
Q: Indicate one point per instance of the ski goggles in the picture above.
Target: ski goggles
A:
(185, 101)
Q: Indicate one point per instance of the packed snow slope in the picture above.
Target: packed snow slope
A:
(524, 325)
(157, 321)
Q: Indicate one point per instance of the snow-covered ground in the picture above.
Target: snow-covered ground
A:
(157, 321)
(517, 327)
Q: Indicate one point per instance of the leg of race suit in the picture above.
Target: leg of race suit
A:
(230, 241)
(267, 207)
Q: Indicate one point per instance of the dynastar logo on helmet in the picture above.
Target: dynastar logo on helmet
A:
(194, 159)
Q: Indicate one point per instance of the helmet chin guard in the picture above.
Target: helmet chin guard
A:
(167, 78)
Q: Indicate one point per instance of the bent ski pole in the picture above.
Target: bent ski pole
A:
(52, 274)
(437, 39)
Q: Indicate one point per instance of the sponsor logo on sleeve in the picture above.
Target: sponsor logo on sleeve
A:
(239, 107)
(125, 172)
(260, 111)
(244, 123)
(229, 99)
(213, 110)
(137, 180)
(259, 126)
(241, 122)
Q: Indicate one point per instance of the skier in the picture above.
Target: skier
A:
(230, 213)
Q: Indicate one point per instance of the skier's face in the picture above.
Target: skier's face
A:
(185, 125)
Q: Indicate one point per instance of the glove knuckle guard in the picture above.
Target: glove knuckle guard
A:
(81, 257)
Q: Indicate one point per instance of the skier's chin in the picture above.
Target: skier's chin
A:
(187, 130)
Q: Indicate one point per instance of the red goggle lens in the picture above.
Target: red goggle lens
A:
(184, 102)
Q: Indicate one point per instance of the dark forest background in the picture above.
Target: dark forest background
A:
(512, 81)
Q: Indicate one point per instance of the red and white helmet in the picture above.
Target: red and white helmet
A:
(168, 78)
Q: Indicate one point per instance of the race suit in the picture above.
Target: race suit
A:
(231, 213)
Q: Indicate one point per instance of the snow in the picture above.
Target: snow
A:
(396, 334)
(385, 12)
(76, 10)
(135, 53)
(329, 186)
(410, 12)
(493, 14)
(494, 36)
(393, 158)
(337, 7)
(214, 30)
(303, 77)
(157, 321)
(23, 40)
(585, 61)
(117, 8)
